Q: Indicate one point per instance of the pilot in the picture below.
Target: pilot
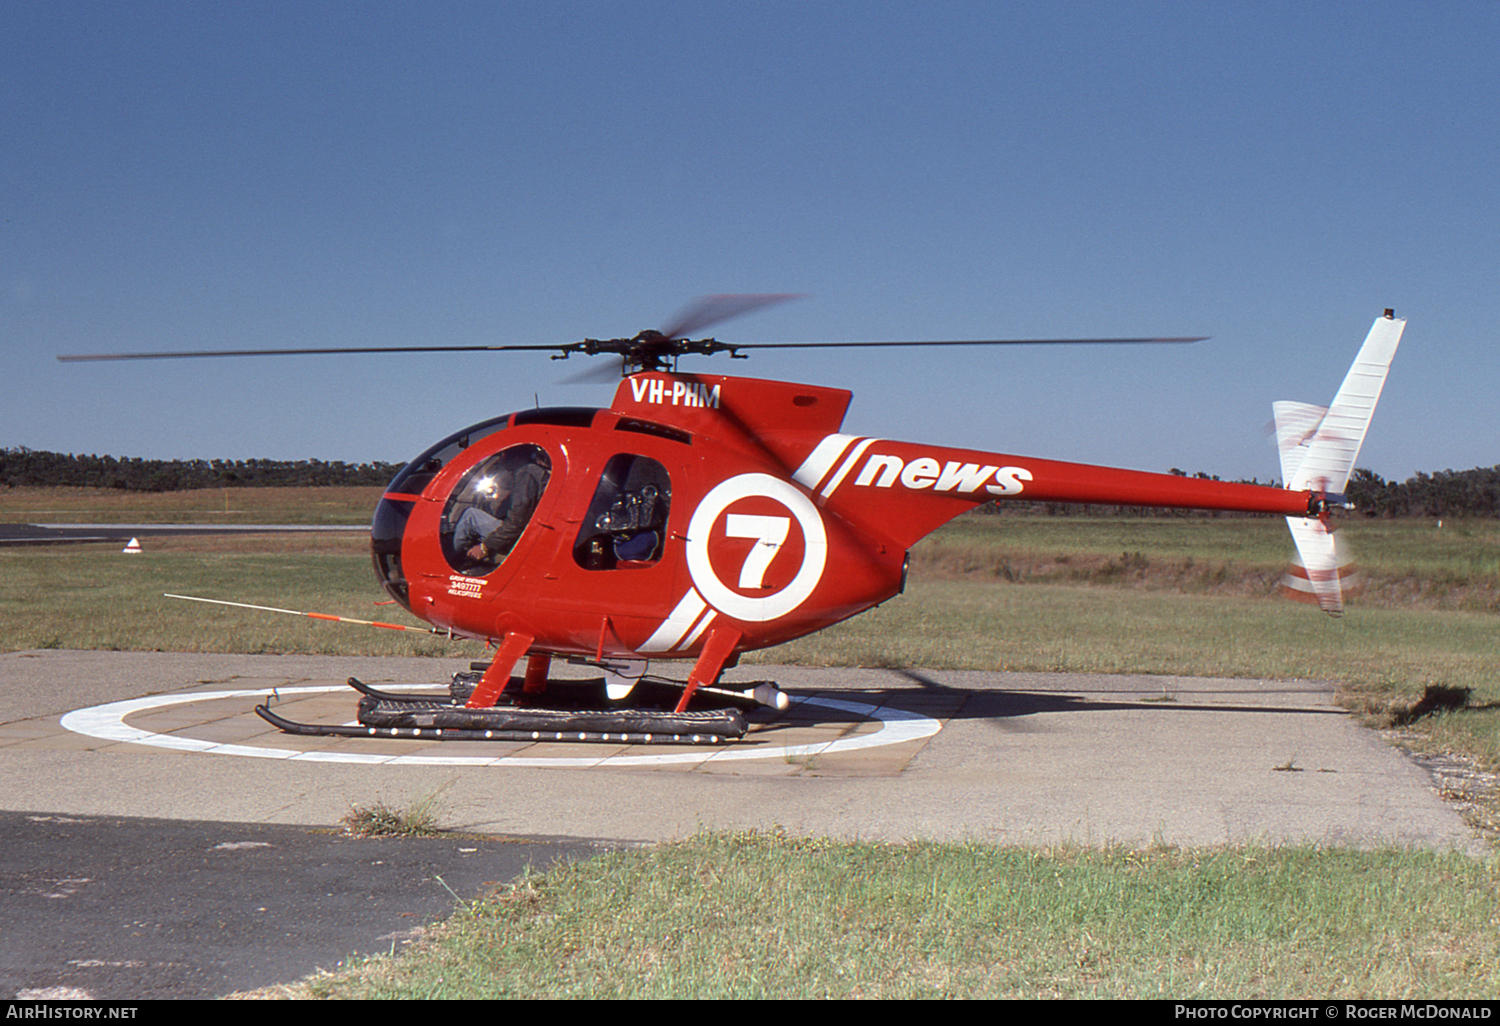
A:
(484, 536)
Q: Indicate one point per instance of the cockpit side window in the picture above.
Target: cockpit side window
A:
(491, 506)
(626, 525)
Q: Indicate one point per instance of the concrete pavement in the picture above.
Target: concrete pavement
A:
(166, 842)
(880, 754)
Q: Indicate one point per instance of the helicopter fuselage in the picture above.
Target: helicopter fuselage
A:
(699, 504)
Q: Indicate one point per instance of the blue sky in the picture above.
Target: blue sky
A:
(209, 175)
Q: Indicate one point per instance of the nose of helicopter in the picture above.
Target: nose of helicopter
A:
(386, 531)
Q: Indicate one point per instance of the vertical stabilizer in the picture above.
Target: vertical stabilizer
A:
(1325, 457)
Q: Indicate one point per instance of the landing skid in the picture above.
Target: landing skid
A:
(577, 711)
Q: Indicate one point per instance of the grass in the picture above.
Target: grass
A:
(1383, 660)
(766, 916)
(1197, 596)
(421, 818)
(92, 597)
(1404, 564)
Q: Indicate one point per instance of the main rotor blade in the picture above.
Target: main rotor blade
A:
(304, 352)
(713, 309)
(971, 342)
(709, 311)
(608, 372)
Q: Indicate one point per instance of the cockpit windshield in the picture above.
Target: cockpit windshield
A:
(418, 474)
(400, 497)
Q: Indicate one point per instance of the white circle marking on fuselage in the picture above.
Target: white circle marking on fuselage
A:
(814, 556)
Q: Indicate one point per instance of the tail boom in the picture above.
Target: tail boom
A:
(907, 490)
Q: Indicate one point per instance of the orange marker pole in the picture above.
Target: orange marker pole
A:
(314, 616)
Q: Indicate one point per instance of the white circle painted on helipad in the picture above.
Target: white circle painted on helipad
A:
(107, 722)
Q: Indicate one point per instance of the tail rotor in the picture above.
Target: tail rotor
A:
(1318, 446)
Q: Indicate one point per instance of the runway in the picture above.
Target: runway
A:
(120, 534)
(163, 841)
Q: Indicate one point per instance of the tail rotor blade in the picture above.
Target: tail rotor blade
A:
(1323, 572)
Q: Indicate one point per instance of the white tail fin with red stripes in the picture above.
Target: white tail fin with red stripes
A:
(1318, 447)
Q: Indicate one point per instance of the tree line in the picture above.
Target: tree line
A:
(1446, 493)
(24, 467)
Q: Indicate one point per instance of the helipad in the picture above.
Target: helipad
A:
(815, 726)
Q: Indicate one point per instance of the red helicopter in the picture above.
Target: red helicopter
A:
(703, 516)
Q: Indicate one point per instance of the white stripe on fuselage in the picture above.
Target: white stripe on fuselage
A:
(884, 471)
(821, 459)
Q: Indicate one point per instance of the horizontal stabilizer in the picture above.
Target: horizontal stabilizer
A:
(1296, 426)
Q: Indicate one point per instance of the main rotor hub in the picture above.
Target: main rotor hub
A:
(650, 350)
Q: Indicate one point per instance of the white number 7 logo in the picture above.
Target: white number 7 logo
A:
(769, 534)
